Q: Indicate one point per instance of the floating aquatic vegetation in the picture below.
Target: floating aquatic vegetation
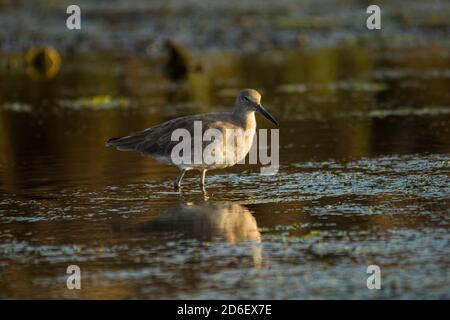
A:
(377, 113)
(426, 111)
(96, 102)
(16, 107)
(292, 88)
(356, 86)
(332, 86)
(401, 73)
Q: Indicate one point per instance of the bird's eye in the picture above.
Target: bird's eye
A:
(247, 99)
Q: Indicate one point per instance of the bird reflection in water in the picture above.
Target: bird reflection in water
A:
(207, 221)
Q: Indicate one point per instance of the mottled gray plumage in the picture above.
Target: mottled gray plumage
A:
(157, 143)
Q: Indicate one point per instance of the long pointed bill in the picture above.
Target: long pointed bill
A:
(263, 111)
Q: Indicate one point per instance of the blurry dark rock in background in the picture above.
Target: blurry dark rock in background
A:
(177, 64)
(43, 62)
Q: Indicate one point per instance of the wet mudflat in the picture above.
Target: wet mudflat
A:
(364, 179)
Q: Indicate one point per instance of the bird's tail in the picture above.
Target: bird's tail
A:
(127, 143)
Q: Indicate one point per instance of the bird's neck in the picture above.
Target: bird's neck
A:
(246, 119)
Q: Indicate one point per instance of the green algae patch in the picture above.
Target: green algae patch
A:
(96, 102)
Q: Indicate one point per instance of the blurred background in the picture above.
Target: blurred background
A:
(364, 149)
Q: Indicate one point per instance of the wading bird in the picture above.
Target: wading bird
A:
(157, 142)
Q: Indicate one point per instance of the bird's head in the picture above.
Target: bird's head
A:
(249, 100)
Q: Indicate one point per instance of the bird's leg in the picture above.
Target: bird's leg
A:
(202, 179)
(202, 186)
(178, 179)
(205, 194)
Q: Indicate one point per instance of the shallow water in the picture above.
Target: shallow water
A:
(364, 179)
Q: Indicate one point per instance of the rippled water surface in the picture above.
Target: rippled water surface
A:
(364, 179)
